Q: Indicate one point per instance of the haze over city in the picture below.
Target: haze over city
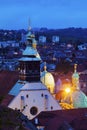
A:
(43, 13)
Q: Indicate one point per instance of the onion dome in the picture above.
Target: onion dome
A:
(79, 99)
(48, 80)
(75, 78)
(29, 51)
(29, 35)
(75, 74)
(31, 44)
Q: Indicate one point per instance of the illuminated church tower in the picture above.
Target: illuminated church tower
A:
(30, 61)
(30, 95)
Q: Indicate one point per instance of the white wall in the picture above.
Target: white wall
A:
(36, 99)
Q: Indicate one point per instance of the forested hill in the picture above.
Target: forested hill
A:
(65, 35)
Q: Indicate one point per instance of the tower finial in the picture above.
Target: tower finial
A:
(75, 68)
(75, 78)
(45, 67)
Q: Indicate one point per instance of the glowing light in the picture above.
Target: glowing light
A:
(67, 90)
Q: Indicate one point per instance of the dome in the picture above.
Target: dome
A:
(75, 75)
(79, 99)
(76, 98)
(29, 51)
(75, 78)
(48, 80)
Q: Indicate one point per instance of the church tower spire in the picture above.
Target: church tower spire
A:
(30, 61)
(75, 78)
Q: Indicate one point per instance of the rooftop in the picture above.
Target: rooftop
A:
(63, 119)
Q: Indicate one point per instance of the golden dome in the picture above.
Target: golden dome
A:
(48, 80)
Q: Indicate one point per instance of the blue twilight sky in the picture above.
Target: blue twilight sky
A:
(15, 14)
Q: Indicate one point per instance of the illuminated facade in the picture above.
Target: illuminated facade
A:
(71, 96)
(31, 96)
(33, 91)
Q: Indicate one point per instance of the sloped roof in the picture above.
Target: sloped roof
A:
(29, 59)
(13, 119)
(53, 120)
(7, 100)
(33, 86)
(29, 51)
(7, 80)
(16, 88)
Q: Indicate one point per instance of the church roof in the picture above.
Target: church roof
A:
(29, 51)
(75, 75)
(29, 59)
(33, 86)
(7, 80)
(79, 99)
(63, 119)
(47, 78)
(8, 98)
(16, 88)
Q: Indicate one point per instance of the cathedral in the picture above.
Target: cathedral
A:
(34, 92)
(31, 96)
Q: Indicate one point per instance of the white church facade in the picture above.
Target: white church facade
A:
(31, 96)
(33, 92)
